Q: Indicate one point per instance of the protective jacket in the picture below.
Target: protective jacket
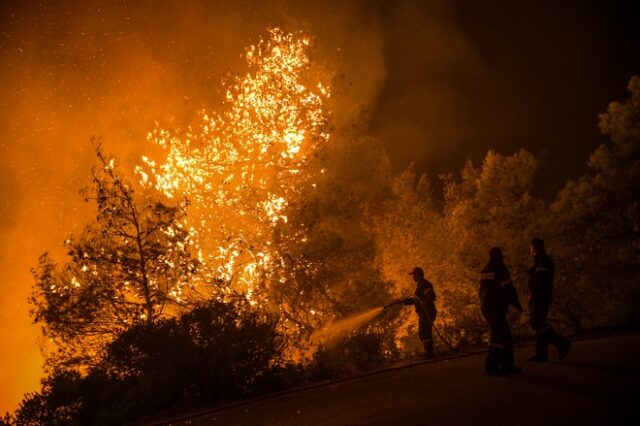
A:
(423, 299)
(497, 291)
(541, 280)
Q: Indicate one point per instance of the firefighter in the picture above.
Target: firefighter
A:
(541, 287)
(423, 299)
(497, 292)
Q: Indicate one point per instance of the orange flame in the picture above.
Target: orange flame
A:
(240, 168)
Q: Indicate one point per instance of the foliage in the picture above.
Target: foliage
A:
(57, 403)
(359, 352)
(241, 167)
(130, 266)
(217, 352)
(490, 205)
(7, 420)
(277, 195)
(596, 219)
(330, 271)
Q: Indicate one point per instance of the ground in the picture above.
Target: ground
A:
(598, 383)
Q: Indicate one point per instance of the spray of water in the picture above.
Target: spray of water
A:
(331, 332)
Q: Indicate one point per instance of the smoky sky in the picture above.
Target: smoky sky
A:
(499, 75)
(439, 82)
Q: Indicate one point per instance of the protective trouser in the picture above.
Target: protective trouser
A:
(500, 357)
(545, 333)
(508, 357)
(425, 328)
(494, 358)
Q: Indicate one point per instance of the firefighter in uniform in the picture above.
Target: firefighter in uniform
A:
(423, 299)
(541, 287)
(497, 292)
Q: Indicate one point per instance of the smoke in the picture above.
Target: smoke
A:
(423, 113)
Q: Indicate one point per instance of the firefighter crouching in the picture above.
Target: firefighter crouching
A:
(424, 301)
(497, 292)
(541, 286)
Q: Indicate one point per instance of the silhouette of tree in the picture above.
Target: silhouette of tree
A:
(132, 265)
(57, 403)
(7, 420)
(215, 352)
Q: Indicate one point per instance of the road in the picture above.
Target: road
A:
(597, 384)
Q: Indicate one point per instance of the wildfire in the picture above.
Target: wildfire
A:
(241, 167)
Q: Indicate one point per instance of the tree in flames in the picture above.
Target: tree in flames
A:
(242, 167)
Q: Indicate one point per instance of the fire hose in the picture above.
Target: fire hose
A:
(426, 312)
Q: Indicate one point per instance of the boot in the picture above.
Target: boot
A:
(508, 360)
(563, 345)
(542, 350)
(564, 350)
(492, 365)
(428, 349)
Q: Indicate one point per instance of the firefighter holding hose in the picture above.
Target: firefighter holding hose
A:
(423, 300)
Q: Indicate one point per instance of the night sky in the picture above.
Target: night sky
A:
(438, 82)
(530, 74)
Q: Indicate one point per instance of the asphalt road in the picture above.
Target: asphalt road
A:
(597, 384)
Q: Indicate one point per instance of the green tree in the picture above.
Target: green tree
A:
(492, 205)
(132, 265)
(489, 205)
(409, 231)
(596, 222)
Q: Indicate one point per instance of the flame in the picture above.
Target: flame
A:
(241, 167)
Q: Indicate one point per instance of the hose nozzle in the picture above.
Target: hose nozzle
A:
(395, 302)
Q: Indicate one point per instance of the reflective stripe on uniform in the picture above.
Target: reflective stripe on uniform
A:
(487, 275)
(506, 282)
(427, 340)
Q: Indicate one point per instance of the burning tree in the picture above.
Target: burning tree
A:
(241, 168)
(131, 266)
(276, 204)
